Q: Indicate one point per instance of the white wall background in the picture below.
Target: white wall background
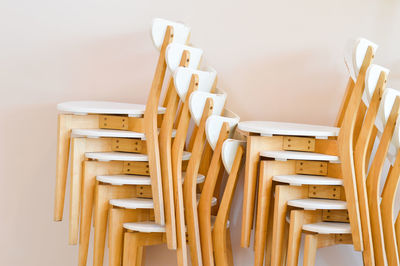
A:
(278, 60)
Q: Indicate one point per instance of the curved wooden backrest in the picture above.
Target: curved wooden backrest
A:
(189, 185)
(218, 129)
(375, 84)
(197, 102)
(232, 153)
(354, 56)
(346, 145)
(174, 53)
(165, 138)
(182, 76)
(391, 240)
(390, 100)
(159, 27)
(214, 124)
(177, 153)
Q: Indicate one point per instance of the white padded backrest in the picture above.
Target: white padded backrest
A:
(197, 101)
(214, 124)
(371, 80)
(174, 53)
(228, 154)
(355, 53)
(183, 75)
(181, 32)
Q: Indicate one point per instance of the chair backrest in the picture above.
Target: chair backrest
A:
(391, 236)
(390, 101)
(201, 105)
(375, 81)
(177, 152)
(183, 75)
(163, 35)
(218, 129)
(354, 57)
(347, 135)
(181, 32)
(232, 154)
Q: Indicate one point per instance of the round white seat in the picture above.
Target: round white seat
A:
(133, 203)
(152, 227)
(328, 228)
(124, 156)
(299, 155)
(318, 204)
(102, 107)
(109, 133)
(298, 180)
(270, 128)
(120, 180)
(139, 203)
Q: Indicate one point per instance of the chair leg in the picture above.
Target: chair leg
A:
(229, 248)
(283, 193)
(310, 249)
(86, 213)
(285, 243)
(117, 217)
(131, 248)
(268, 250)
(62, 165)
(104, 194)
(263, 205)
(295, 230)
(77, 158)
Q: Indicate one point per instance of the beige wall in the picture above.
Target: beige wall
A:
(278, 60)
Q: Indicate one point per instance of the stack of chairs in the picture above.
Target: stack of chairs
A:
(324, 182)
(143, 174)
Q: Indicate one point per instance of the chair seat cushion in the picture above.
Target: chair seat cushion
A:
(328, 228)
(298, 180)
(318, 204)
(102, 107)
(270, 128)
(298, 155)
(124, 156)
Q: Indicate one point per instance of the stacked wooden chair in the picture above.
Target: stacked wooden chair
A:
(133, 173)
(319, 174)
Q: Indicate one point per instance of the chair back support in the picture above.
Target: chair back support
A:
(375, 84)
(182, 77)
(181, 32)
(232, 154)
(197, 102)
(218, 129)
(346, 145)
(390, 100)
(174, 53)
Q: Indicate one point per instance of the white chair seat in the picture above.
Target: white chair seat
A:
(299, 155)
(328, 228)
(120, 180)
(109, 133)
(152, 227)
(102, 107)
(139, 203)
(318, 204)
(298, 180)
(270, 128)
(124, 156)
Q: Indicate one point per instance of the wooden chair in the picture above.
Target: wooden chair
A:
(111, 115)
(106, 140)
(135, 163)
(295, 149)
(218, 129)
(200, 104)
(104, 191)
(332, 217)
